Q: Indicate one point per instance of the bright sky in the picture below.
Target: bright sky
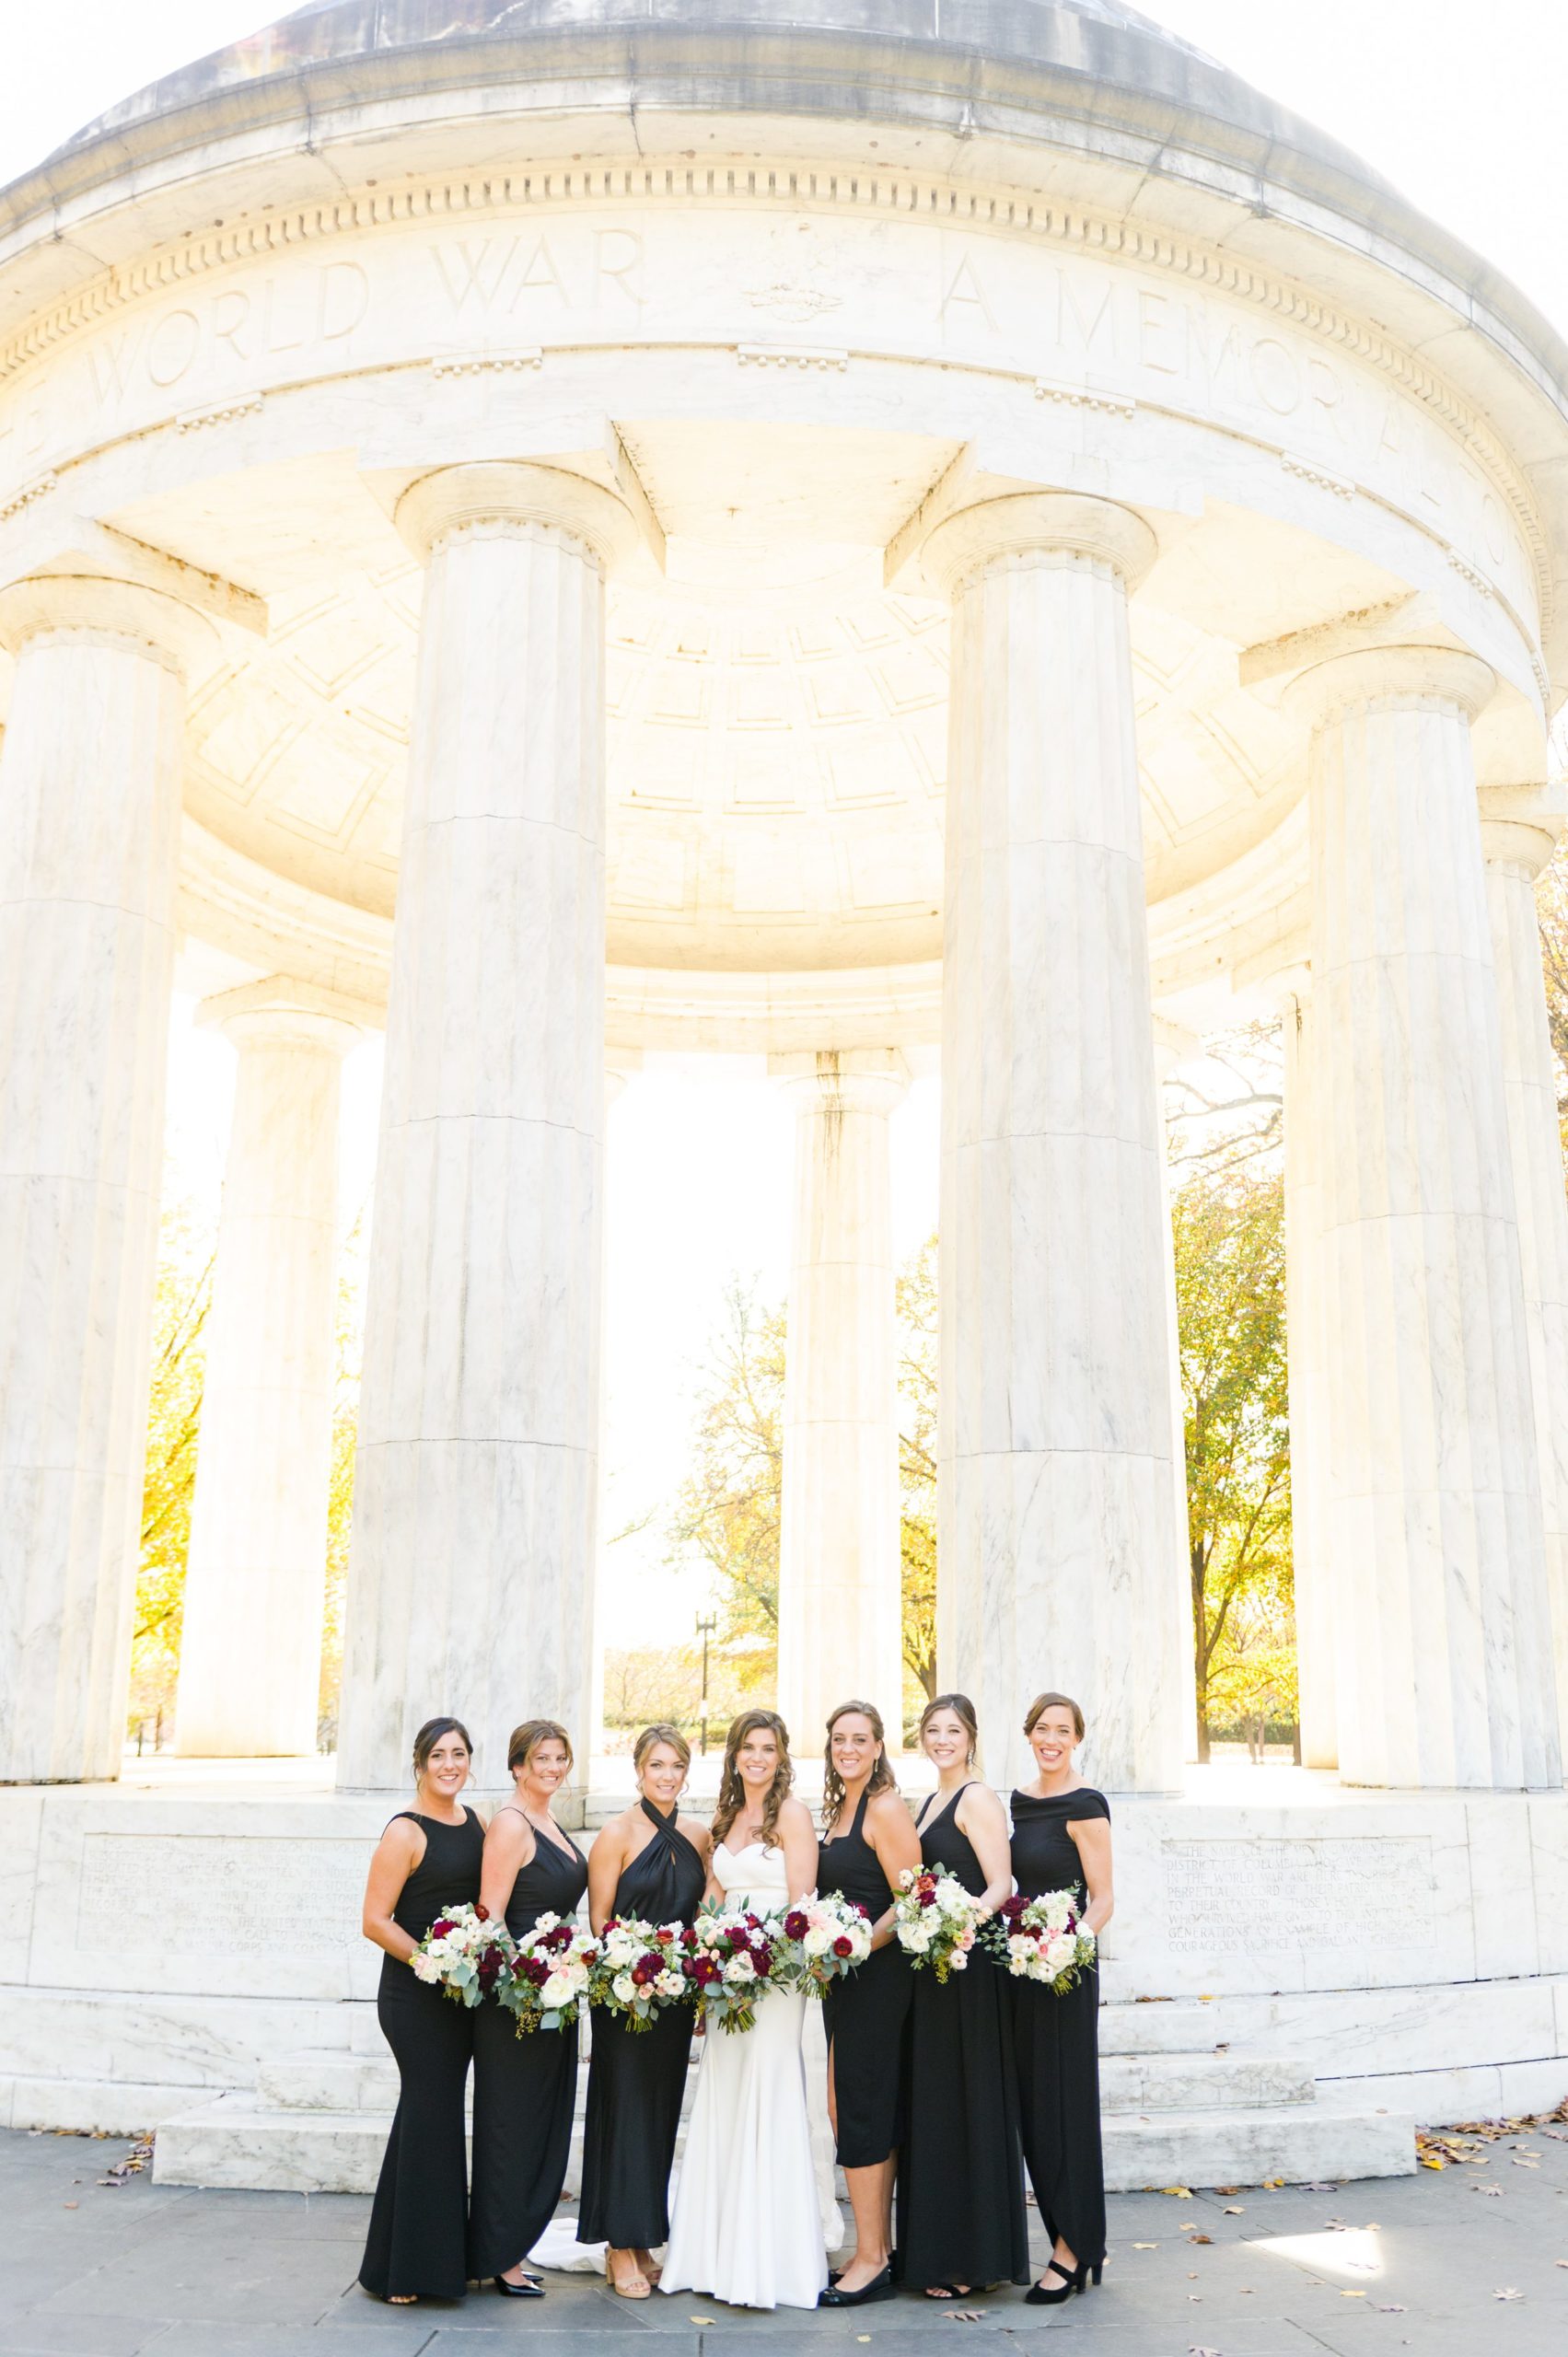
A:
(1462, 107)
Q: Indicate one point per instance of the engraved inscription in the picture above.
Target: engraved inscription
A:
(261, 1897)
(1235, 1897)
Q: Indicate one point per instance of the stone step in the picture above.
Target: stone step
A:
(1202, 2082)
(231, 2141)
(1168, 2027)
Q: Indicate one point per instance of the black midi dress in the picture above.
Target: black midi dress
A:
(1056, 2041)
(524, 2087)
(867, 2013)
(960, 2200)
(637, 2078)
(419, 2218)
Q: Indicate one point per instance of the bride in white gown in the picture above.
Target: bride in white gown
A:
(748, 2223)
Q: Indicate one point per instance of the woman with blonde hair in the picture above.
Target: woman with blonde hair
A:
(961, 2185)
(523, 2088)
(868, 1840)
(747, 2227)
(649, 1865)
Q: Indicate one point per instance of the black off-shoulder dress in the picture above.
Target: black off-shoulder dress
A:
(867, 2013)
(1056, 2040)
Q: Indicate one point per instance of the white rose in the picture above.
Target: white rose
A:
(425, 1967)
(818, 1941)
(959, 1961)
(669, 1984)
(557, 1992)
(624, 1988)
(917, 1939)
(740, 1968)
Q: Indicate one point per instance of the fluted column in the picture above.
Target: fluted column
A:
(1312, 1548)
(1519, 830)
(1444, 1655)
(255, 1581)
(89, 822)
(1174, 1045)
(840, 1559)
(1058, 1496)
(473, 1549)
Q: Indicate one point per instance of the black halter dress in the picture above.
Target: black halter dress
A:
(1056, 2040)
(961, 2184)
(523, 2087)
(866, 2013)
(419, 2218)
(637, 2079)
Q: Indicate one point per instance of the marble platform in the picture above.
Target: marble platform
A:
(1295, 1975)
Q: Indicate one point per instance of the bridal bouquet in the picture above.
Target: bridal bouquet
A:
(731, 1960)
(462, 1955)
(828, 1938)
(639, 1970)
(1043, 1939)
(549, 1974)
(938, 1920)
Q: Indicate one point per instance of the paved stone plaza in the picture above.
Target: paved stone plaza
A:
(1413, 2263)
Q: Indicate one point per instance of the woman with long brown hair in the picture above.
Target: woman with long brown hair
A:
(648, 1865)
(868, 1840)
(961, 2185)
(1061, 1841)
(523, 2088)
(428, 1858)
(747, 2227)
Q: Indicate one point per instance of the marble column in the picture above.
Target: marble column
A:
(1059, 1537)
(1444, 1669)
(1518, 832)
(840, 1557)
(1174, 1045)
(255, 1583)
(1312, 1550)
(89, 827)
(622, 1066)
(472, 1561)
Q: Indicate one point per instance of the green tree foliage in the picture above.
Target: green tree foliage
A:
(181, 1301)
(1230, 1284)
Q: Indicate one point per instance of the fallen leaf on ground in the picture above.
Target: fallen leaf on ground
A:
(1394, 2308)
(1272, 2183)
(1493, 2192)
(71, 2205)
(1225, 2189)
(1178, 2192)
(1352, 2295)
(1520, 2162)
(1234, 2210)
(699, 2320)
(1200, 2238)
(1321, 2185)
(965, 2315)
(1509, 2295)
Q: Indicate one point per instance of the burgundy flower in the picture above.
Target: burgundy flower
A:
(442, 1925)
(560, 1938)
(794, 1924)
(843, 1946)
(704, 1970)
(536, 1969)
(926, 1894)
(1012, 1907)
(647, 1968)
(762, 1959)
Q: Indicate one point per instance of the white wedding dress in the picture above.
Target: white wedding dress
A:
(749, 2223)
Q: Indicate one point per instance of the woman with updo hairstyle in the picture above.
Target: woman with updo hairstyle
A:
(1062, 1841)
(524, 2086)
(427, 1860)
(649, 1865)
(868, 1840)
(961, 2221)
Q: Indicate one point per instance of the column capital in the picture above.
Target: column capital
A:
(1028, 523)
(504, 492)
(851, 1080)
(1363, 677)
(1521, 826)
(153, 620)
(283, 1013)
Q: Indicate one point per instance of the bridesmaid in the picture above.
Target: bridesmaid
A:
(960, 2188)
(523, 2087)
(651, 1863)
(428, 1858)
(868, 1840)
(1061, 1840)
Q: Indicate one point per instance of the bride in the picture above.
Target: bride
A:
(747, 2225)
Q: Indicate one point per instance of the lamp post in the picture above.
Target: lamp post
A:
(706, 1623)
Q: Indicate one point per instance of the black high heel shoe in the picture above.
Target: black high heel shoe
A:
(1040, 2295)
(881, 2287)
(530, 2288)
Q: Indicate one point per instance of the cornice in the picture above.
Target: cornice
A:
(942, 201)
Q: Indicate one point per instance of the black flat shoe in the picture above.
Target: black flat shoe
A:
(530, 2288)
(1051, 2295)
(881, 2287)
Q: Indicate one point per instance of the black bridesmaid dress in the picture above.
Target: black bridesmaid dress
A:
(1056, 2041)
(419, 2218)
(960, 2199)
(637, 2079)
(523, 2087)
(866, 2011)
